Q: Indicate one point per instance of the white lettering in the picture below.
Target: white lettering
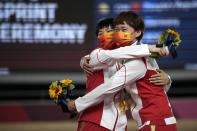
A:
(43, 33)
(4, 33)
(16, 32)
(162, 22)
(28, 12)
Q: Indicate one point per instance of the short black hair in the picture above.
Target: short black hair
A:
(132, 19)
(106, 22)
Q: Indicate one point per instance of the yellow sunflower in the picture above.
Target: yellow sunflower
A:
(159, 40)
(173, 32)
(177, 44)
(66, 82)
(55, 92)
(51, 86)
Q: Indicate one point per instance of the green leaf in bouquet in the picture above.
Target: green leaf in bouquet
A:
(177, 39)
(54, 84)
(71, 86)
(165, 37)
(162, 41)
(63, 85)
(163, 33)
(64, 91)
(154, 55)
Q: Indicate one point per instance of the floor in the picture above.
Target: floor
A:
(183, 125)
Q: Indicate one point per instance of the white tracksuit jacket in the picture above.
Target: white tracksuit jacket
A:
(128, 74)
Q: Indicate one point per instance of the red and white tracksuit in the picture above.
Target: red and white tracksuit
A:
(106, 112)
(152, 104)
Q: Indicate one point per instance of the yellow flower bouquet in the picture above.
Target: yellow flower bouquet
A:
(169, 39)
(60, 91)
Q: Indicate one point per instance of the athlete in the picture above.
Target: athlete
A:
(106, 115)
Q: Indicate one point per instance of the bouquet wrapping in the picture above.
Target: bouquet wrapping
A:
(60, 92)
(169, 39)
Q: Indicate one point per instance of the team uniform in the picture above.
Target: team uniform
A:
(106, 115)
(152, 106)
(152, 111)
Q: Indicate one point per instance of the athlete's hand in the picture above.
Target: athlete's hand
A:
(161, 78)
(71, 107)
(161, 51)
(87, 68)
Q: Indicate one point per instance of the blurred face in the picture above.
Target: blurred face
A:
(105, 30)
(105, 38)
(127, 28)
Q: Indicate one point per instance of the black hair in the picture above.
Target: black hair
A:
(132, 19)
(106, 22)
